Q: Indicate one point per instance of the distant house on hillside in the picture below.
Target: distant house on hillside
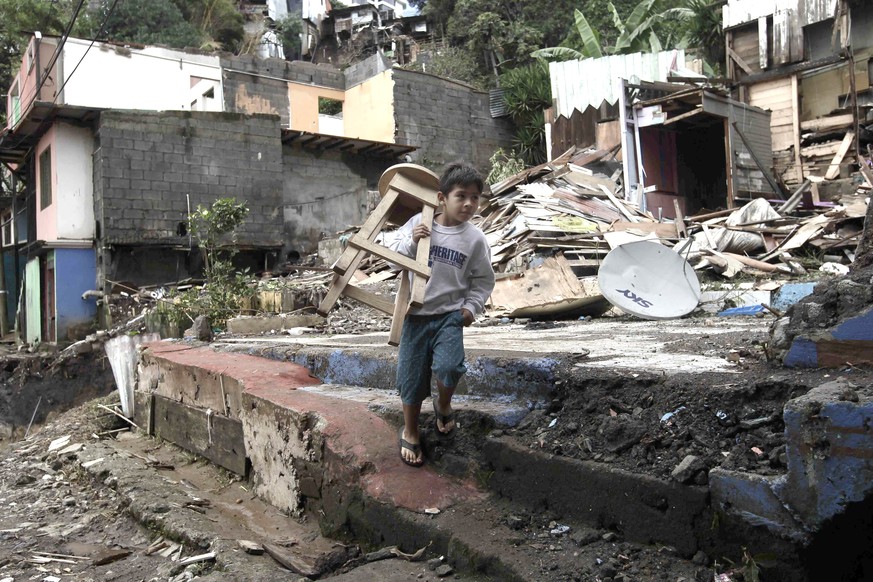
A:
(117, 144)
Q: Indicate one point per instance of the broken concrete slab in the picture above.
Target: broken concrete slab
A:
(848, 343)
(830, 466)
(253, 325)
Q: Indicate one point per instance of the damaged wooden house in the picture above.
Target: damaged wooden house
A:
(809, 63)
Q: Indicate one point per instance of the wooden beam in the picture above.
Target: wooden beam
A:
(796, 125)
(370, 229)
(421, 257)
(401, 306)
(680, 220)
(739, 61)
(793, 200)
(686, 115)
(826, 123)
(834, 168)
(216, 437)
(383, 252)
(368, 298)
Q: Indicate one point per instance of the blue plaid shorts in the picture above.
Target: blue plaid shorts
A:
(430, 344)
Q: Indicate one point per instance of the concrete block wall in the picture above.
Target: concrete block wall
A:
(447, 120)
(325, 192)
(147, 165)
(363, 70)
(253, 85)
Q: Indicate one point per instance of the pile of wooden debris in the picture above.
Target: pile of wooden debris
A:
(558, 221)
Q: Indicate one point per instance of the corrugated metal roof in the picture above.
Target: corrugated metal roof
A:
(737, 12)
(497, 103)
(590, 82)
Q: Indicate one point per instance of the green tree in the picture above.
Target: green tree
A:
(218, 20)
(146, 22)
(494, 30)
(289, 29)
(636, 33)
(700, 24)
(214, 228)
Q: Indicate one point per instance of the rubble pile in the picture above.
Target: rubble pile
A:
(574, 205)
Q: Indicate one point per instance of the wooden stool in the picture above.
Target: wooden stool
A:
(406, 190)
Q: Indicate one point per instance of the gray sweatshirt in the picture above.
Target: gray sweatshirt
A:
(460, 262)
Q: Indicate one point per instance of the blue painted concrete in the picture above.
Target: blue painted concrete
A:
(829, 445)
(802, 354)
(858, 328)
(790, 293)
(75, 273)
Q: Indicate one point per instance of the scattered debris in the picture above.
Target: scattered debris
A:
(207, 557)
(250, 547)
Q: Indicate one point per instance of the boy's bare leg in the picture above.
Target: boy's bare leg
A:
(410, 432)
(444, 407)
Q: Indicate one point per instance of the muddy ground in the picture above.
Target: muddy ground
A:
(651, 423)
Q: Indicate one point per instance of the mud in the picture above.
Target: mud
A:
(36, 387)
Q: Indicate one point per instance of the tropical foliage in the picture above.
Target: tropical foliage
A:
(527, 93)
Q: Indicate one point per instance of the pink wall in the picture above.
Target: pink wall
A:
(47, 219)
(27, 81)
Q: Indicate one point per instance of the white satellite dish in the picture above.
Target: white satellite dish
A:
(649, 280)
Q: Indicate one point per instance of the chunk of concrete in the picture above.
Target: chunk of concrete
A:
(686, 470)
(250, 325)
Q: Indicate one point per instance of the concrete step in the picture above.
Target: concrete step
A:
(329, 451)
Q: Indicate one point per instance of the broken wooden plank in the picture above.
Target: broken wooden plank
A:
(251, 547)
(208, 556)
(550, 288)
(834, 168)
(680, 220)
(794, 199)
(826, 123)
(109, 556)
(619, 205)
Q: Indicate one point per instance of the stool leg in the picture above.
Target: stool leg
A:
(369, 230)
(401, 306)
(422, 257)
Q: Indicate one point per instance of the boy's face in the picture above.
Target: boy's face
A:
(460, 204)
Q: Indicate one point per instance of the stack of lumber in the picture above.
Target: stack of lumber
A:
(827, 144)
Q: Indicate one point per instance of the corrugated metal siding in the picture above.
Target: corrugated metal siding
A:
(590, 82)
(738, 12)
(755, 125)
(497, 103)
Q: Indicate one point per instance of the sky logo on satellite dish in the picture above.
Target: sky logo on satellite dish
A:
(633, 297)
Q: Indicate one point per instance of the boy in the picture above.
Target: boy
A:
(460, 283)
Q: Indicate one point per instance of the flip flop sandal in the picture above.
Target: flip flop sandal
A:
(445, 419)
(416, 450)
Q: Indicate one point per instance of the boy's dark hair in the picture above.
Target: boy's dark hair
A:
(460, 174)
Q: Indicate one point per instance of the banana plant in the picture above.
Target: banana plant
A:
(636, 34)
